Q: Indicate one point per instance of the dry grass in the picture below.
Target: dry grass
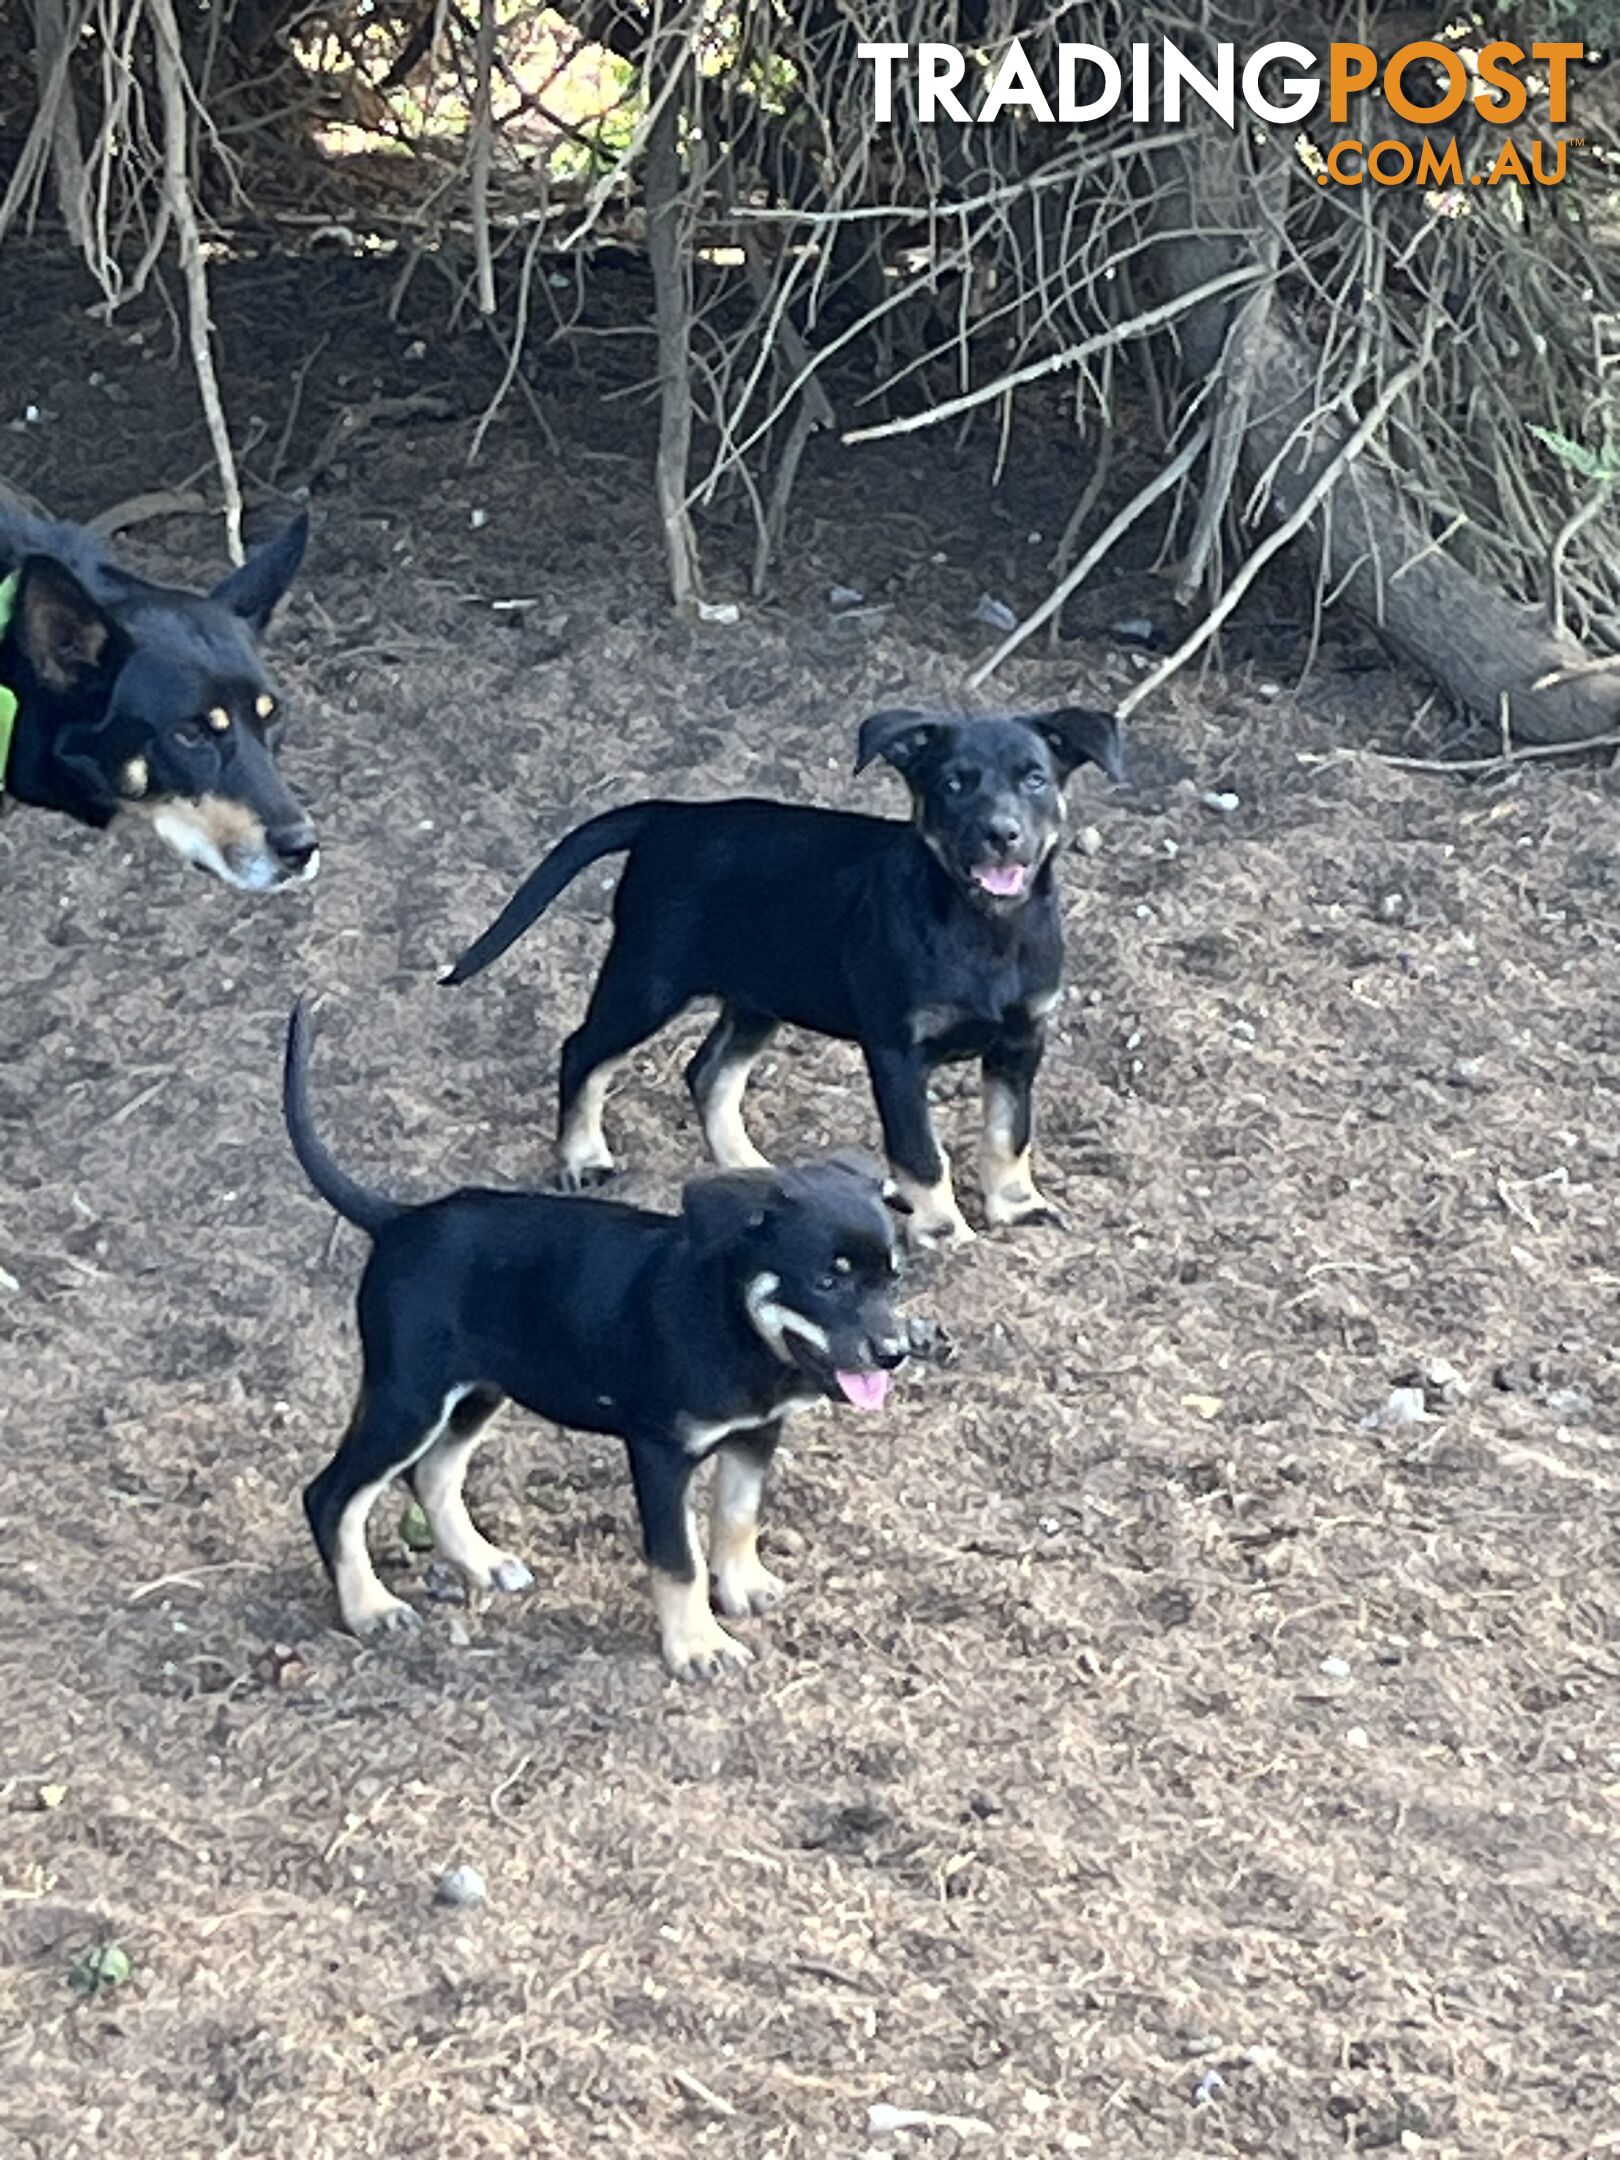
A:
(1041, 1806)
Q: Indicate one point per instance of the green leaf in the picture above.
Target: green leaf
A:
(100, 1969)
(414, 1533)
(1590, 464)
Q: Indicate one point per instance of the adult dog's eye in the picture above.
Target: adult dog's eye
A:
(954, 784)
(1036, 782)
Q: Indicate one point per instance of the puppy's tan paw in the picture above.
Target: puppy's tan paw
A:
(939, 1233)
(1028, 1207)
(704, 1653)
(747, 1588)
(584, 1176)
(382, 1617)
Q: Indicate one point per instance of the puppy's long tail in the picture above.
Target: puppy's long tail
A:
(609, 834)
(335, 1186)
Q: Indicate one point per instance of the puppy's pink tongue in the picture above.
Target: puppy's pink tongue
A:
(1004, 880)
(866, 1390)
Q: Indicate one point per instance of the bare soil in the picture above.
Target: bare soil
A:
(1157, 1757)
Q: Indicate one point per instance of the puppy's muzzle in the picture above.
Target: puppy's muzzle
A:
(296, 848)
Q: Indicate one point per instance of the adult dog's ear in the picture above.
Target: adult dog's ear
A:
(901, 738)
(723, 1211)
(1076, 734)
(67, 638)
(255, 591)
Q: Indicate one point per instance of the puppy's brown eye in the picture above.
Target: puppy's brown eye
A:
(1036, 782)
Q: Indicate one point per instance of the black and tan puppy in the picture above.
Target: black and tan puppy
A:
(121, 698)
(925, 942)
(685, 1335)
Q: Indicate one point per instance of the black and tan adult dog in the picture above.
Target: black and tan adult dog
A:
(685, 1335)
(122, 698)
(925, 942)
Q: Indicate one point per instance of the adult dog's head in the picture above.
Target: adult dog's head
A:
(135, 700)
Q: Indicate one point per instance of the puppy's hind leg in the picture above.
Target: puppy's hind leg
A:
(717, 1077)
(386, 1435)
(630, 1002)
(437, 1481)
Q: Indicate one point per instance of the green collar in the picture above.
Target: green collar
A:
(8, 698)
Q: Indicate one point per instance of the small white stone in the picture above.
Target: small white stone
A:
(1336, 1668)
(1089, 840)
(477, 519)
(1220, 800)
(460, 1885)
(1357, 1737)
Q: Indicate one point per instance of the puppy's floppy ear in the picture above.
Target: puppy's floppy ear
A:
(722, 1211)
(254, 591)
(1077, 733)
(857, 1163)
(899, 737)
(69, 639)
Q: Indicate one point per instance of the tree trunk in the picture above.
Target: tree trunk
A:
(1465, 635)
(51, 34)
(668, 235)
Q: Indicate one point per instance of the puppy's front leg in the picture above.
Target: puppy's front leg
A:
(695, 1645)
(1010, 1192)
(742, 1582)
(920, 1165)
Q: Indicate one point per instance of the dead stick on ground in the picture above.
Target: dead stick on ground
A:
(1274, 542)
(1501, 761)
(174, 89)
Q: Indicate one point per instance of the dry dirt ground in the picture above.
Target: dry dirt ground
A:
(1157, 1757)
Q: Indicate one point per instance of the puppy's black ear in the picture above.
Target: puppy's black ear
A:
(899, 737)
(70, 641)
(857, 1163)
(1077, 733)
(254, 591)
(724, 1210)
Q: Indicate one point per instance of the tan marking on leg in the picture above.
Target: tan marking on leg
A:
(721, 1111)
(742, 1583)
(583, 1146)
(935, 1218)
(1006, 1179)
(439, 1478)
(367, 1608)
(695, 1645)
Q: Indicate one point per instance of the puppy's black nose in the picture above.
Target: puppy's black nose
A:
(295, 845)
(888, 1351)
(1003, 833)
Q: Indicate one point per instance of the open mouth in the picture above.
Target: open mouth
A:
(1003, 881)
(866, 1390)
